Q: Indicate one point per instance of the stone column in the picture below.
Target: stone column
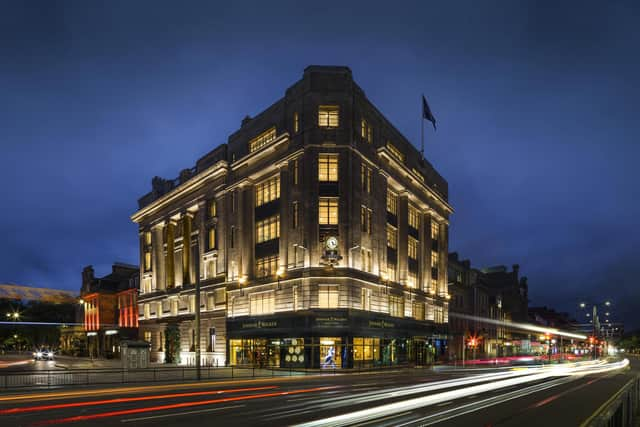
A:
(443, 247)
(170, 270)
(203, 236)
(428, 244)
(157, 242)
(186, 248)
(403, 237)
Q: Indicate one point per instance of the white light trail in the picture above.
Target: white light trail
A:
(520, 326)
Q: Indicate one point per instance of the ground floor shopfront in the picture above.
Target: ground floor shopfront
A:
(333, 339)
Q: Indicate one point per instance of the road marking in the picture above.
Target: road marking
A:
(607, 403)
(130, 420)
(445, 403)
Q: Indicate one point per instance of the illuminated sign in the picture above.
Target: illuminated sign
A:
(260, 324)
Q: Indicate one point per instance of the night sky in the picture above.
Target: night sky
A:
(537, 109)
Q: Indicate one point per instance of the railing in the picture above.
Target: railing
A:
(620, 410)
(84, 377)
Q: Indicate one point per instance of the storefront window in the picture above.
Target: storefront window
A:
(366, 349)
(331, 352)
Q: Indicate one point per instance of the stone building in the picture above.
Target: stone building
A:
(317, 232)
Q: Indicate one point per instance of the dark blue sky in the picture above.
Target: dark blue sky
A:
(536, 105)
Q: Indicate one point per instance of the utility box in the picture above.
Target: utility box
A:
(134, 354)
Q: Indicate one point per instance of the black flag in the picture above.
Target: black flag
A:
(426, 112)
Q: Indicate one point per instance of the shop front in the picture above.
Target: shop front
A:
(333, 340)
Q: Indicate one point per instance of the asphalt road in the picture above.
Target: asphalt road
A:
(386, 399)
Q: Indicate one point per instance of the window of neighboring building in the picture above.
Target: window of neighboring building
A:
(263, 139)
(296, 122)
(268, 191)
(412, 248)
(365, 299)
(366, 259)
(392, 237)
(211, 239)
(268, 229)
(396, 306)
(365, 219)
(328, 167)
(294, 215)
(328, 211)
(392, 203)
(366, 131)
(418, 310)
(147, 260)
(328, 116)
(435, 230)
(267, 266)
(213, 208)
(413, 217)
(365, 178)
(262, 302)
(395, 152)
(391, 271)
(328, 296)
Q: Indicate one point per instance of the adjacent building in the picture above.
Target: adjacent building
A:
(318, 234)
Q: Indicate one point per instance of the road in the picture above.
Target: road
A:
(504, 397)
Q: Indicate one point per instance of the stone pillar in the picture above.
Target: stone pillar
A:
(186, 248)
(429, 285)
(443, 247)
(203, 236)
(157, 242)
(403, 240)
(170, 270)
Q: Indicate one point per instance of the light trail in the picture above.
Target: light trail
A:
(520, 326)
(127, 400)
(419, 402)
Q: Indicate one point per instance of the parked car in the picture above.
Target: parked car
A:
(43, 354)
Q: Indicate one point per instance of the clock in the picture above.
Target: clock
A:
(332, 243)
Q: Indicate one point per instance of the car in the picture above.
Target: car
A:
(43, 354)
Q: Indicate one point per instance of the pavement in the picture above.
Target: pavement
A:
(497, 397)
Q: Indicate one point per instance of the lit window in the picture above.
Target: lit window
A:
(418, 311)
(395, 152)
(294, 215)
(392, 237)
(412, 251)
(412, 279)
(366, 259)
(328, 211)
(391, 272)
(262, 303)
(396, 306)
(263, 139)
(365, 219)
(211, 241)
(147, 237)
(296, 122)
(328, 167)
(365, 299)
(268, 229)
(366, 131)
(392, 203)
(268, 191)
(328, 116)
(414, 217)
(213, 208)
(296, 171)
(435, 230)
(328, 296)
(439, 314)
(434, 265)
(266, 267)
(147, 260)
(365, 178)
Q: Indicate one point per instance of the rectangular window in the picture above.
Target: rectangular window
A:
(262, 303)
(296, 171)
(233, 236)
(365, 299)
(365, 178)
(268, 229)
(435, 230)
(412, 251)
(396, 306)
(392, 237)
(328, 167)
(147, 260)
(233, 201)
(328, 116)
(213, 208)
(296, 298)
(211, 241)
(414, 217)
(418, 311)
(366, 131)
(434, 265)
(328, 296)
(328, 211)
(296, 122)
(263, 139)
(268, 191)
(147, 237)
(266, 267)
(392, 203)
(366, 259)
(412, 279)
(365, 219)
(395, 152)
(418, 174)
(294, 215)
(391, 271)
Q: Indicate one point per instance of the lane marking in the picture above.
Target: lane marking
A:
(607, 403)
(133, 420)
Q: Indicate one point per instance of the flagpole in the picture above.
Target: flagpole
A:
(421, 129)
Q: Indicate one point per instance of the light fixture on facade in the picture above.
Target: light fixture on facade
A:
(111, 332)
(92, 334)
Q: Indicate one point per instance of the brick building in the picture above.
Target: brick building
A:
(317, 232)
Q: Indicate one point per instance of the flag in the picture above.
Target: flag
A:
(426, 112)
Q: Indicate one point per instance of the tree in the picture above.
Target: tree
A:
(172, 344)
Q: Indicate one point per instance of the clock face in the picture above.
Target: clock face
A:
(332, 243)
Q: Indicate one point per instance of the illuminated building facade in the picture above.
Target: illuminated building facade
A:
(109, 308)
(318, 234)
